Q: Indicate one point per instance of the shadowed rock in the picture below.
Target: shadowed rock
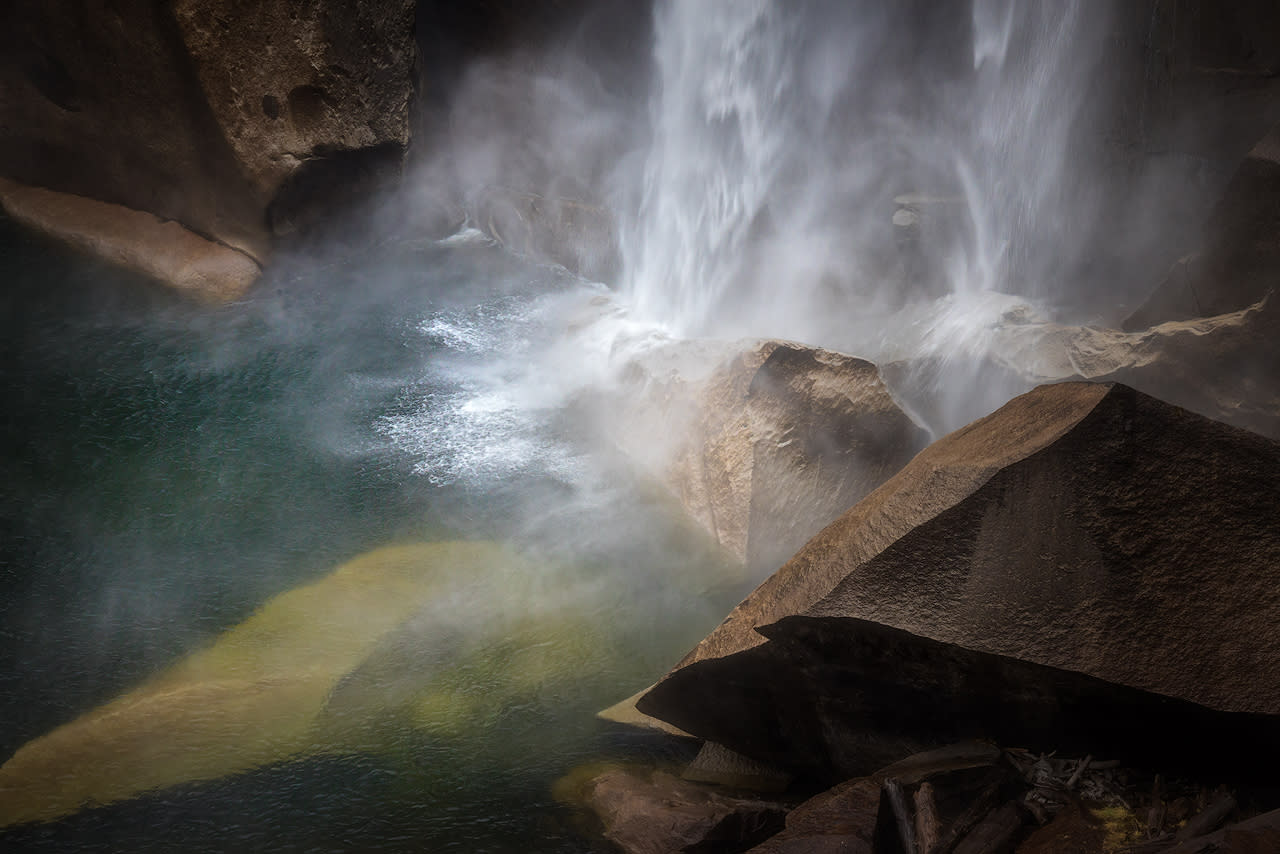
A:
(1237, 265)
(835, 696)
(203, 112)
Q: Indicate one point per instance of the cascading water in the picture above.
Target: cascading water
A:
(782, 134)
(719, 116)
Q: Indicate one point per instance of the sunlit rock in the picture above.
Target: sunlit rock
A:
(1225, 367)
(765, 442)
(317, 669)
(1087, 527)
(161, 250)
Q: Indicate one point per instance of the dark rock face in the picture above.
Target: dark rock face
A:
(836, 696)
(200, 112)
(137, 241)
(1083, 527)
(1258, 835)
(1236, 266)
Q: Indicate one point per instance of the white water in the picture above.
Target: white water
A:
(783, 131)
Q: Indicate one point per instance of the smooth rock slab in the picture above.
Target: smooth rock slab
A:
(161, 250)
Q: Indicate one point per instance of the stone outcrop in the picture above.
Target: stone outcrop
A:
(159, 249)
(1237, 265)
(772, 444)
(1225, 367)
(658, 813)
(240, 121)
(1085, 527)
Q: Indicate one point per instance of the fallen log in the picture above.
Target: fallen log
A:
(1209, 819)
(927, 824)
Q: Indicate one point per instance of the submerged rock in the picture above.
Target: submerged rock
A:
(769, 445)
(1084, 527)
(318, 669)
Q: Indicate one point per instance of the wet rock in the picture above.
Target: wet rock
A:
(1084, 527)
(768, 446)
(161, 250)
(1225, 367)
(575, 233)
(202, 112)
(658, 813)
(1237, 265)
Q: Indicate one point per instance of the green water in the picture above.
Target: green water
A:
(171, 468)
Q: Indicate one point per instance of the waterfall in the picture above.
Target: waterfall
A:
(783, 132)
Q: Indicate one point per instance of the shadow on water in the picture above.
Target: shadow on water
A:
(171, 467)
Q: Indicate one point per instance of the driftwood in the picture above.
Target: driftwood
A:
(1212, 816)
(898, 802)
(1156, 815)
(1080, 769)
(927, 825)
(977, 811)
(995, 832)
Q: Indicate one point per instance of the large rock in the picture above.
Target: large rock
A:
(236, 119)
(1085, 527)
(767, 447)
(657, 813)
(141, 242)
